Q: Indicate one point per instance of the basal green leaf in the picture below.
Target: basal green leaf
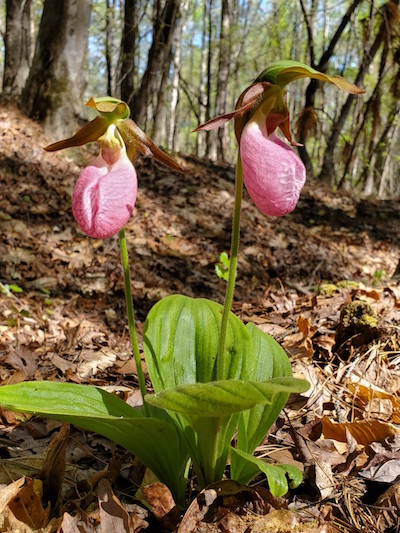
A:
(277, 475)
(223, 398)
(271, 361)
(157, 443)
(181, 341)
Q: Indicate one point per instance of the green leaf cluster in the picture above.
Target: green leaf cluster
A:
(193, 416)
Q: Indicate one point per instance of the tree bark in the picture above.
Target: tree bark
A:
(328, 164)
(200, 144)
(175, 76)
(322, 66)
(159, 52)
(18, 49)
(210, 145)
(54, 88)
(109, 17)
(128, 46)
(223, 74)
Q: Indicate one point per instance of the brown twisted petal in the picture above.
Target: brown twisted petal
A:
(89, 133)
(249, 98)
(135, 139)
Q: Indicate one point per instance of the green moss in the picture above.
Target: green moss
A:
(358, 314)
(347, 284)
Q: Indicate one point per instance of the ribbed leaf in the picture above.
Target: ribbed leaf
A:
(271, 361)
(223, 398)
(181, 341)
(156, 443)
(277, 475)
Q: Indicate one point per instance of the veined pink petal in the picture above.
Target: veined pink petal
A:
(104, 196)
(273, 174)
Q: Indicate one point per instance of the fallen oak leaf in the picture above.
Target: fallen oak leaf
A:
(364, 431)
(21, 506)
(114, 518)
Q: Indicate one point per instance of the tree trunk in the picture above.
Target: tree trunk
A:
(210, 145)
(175, 76)
(128, 46)
(328, 164)
(312, 87)
(54, 88)
(163, 31)
(109, 17)
(223, 74)
(200, 144)
(18, 50)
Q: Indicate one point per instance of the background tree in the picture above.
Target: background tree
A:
(54, 89)
(128, 51)
(159, 58)
(18, 46)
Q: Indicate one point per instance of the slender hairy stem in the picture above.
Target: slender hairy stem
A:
(131, 317)
(221, 357)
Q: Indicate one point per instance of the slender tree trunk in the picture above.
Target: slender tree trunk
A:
(312, 87)
(223, 74)
(200, 144)
(387, 162)
(159, 52)
(328, 164)
(128, 47)
(18, 51)
(54, 89)
(210, 146)
(369, 107)
(109, 17)
(175, 76)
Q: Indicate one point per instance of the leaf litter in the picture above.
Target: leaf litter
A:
(318, 280)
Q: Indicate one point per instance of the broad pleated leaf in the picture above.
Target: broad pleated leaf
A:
(180, 343)
(156, 443)
(225, 397)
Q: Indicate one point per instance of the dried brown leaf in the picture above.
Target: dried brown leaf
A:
(113, 517)
(53, 468)
(21, 506)
(364, 431)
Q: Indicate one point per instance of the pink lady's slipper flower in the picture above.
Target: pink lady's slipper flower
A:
(105, 193)
(272, 172)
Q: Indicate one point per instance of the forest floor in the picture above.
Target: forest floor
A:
(321, 281)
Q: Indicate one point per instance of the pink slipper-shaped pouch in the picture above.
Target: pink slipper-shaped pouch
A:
(104, 196)
(273, 174)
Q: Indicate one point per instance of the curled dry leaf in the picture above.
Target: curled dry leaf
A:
(113, 517)
(364, 431)
(21, 506)
(364, 395)
(228, 494)
(53, 468)
(162, 503)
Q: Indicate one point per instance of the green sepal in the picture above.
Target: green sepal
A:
(283, 72)
(110, 108)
